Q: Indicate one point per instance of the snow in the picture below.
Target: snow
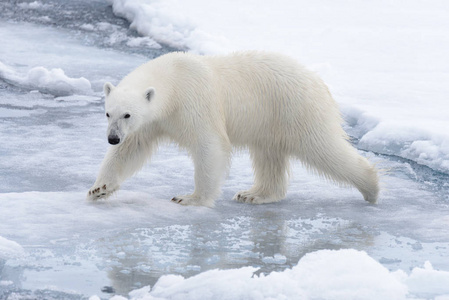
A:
(52, 81)
(426, 280)
(385, 59)
(5, 282)
(163, 21)
(386, 64)
(133, 42)
(32, 5)
(325, 274)
(9, 249)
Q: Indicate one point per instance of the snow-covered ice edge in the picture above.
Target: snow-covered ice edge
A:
(158, 20)
(9, 249)
(166, 22)
(52, 81)
(419, 145)
(325, 274)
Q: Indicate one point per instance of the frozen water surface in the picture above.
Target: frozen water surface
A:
(55, 245)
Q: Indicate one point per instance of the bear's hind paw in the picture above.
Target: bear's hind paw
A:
(191, 200)
(252, 198)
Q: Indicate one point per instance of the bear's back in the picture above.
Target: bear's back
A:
(267, 96)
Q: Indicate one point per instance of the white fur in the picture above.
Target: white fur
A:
(262, 101)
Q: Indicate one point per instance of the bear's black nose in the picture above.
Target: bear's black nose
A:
(113, 140)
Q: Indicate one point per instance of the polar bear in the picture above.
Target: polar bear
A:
(265, 102)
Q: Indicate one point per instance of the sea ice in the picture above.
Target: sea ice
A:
(10, 249)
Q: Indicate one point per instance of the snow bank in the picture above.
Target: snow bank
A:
(52, 81)
(139, 41)
(426, 146)
(423, 147)
(326, 274)
(427, 281)
(9, 249)
(161, 21)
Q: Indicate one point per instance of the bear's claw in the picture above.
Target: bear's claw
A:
(176, 200)
(192, 200)
(99, 192)
(252, 198)
(245, 199)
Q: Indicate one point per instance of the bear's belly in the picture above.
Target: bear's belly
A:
(263, 133)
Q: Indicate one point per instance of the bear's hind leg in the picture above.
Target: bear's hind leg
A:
(336, 159)
(270, 177)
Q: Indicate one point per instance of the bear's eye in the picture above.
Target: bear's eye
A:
(107, 115)
(127, 116)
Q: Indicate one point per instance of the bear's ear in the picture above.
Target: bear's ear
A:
(107, 88)
(149, 93)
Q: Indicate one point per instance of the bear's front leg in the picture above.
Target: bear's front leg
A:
(105, 185)
(107, 181)
(211, 160)
(120, 162)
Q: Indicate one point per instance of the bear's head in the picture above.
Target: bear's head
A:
(126, 110)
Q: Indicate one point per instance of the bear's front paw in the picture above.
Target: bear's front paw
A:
(253, 198)
(192, 200)
(100, 191)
